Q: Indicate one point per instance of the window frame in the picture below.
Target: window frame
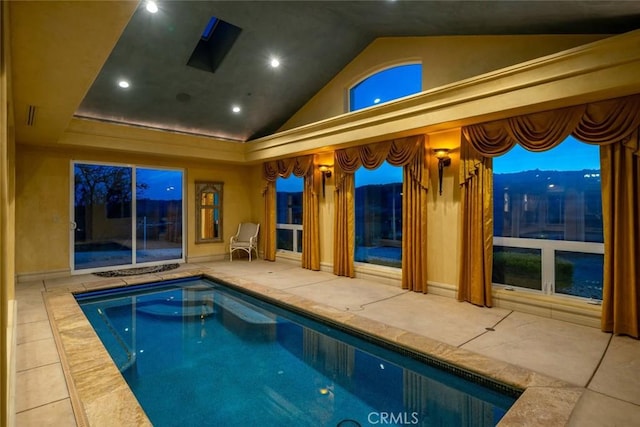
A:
(215, 187)
(348, 106)
(547, 248)
(295, 228)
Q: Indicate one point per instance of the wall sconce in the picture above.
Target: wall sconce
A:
(442, 154)
(326, 173)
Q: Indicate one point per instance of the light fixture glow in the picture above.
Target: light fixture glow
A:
(275, 63)
(442, 154)
(236, 109)
(151, 7)
(123, 84)
(376, 101)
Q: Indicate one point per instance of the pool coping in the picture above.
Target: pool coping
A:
(100, 396)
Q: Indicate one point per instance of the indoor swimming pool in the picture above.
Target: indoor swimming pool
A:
(195, 352)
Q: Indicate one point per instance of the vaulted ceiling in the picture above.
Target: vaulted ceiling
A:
(68, 57)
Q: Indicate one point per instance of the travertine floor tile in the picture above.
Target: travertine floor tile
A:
(597, 410)
(36, 353)
(286, 280)
(619, 373)
(56, 414)
(346, 294)
(39, 386)
(552, 347)
(561, 350)
(31, 313)
(34, 331)
(448, 320)
(66, 281)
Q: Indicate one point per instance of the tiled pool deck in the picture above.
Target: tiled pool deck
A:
(572, 375)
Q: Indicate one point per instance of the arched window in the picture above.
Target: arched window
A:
(388, 84)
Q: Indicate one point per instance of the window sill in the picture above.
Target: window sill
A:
(559, 307)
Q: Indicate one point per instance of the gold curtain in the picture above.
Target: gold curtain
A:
(620, 190)
(301, 167)
(476, 227)
(269, 226)
(414, 221)
(344, 223)
(613, 124)
(409, 153)
(310, 220)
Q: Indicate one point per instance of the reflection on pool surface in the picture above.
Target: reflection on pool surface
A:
(198, 353)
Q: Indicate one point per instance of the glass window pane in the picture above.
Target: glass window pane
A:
(579, 274)
(392, 83)
(158, 215)
(520, 267)
(552, 195)
(102, 214)
(284, 239)
(378, 215)
(299, 249)
(289, 200)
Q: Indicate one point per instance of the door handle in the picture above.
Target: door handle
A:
(74, 225)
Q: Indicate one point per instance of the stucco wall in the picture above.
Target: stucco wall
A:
(444, 60)
(44, 213)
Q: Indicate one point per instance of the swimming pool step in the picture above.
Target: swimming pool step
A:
(176, 309)
(244, 312)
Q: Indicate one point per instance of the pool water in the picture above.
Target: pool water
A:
(196, 353)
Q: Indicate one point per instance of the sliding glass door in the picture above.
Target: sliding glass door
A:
(112, 204)
(158, 215)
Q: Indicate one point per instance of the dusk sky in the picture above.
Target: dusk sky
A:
(163, 184)
(571, 155)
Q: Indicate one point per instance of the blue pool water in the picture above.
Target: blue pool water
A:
(196, 353)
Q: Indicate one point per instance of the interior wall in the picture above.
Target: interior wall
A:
(443, 212)
(445, 60)
(43, 203)
(7, 223)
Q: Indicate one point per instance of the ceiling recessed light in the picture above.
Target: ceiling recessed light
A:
(151, 7)
(275, 63)
(236, 109)
(123, 84)
(376, 101)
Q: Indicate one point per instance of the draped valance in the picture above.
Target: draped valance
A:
(398, 152)
(601, 123)
(614, 126)
(302, 167)
(299, 166)
(410, 153)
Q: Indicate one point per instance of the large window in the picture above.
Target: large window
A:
(378, 199)
(124, 215)
(548, 220)
(289, 213)
(392, 83)
(378, 215)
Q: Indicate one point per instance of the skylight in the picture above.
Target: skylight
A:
(208, 30)
(215, 42)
